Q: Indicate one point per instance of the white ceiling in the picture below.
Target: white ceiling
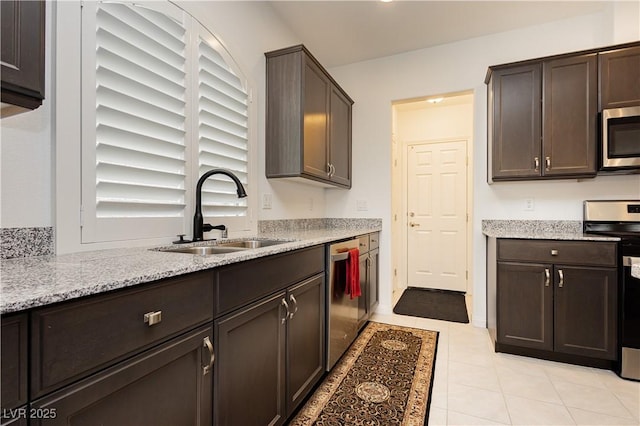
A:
(343, 32)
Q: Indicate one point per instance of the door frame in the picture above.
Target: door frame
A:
(399, 214)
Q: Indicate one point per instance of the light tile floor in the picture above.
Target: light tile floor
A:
(473, 385)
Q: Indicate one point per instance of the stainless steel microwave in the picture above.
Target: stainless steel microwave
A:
(621, 138)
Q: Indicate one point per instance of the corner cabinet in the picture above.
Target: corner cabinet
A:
(23, 42)
(542, 118)
(308, 120)
(554, 299)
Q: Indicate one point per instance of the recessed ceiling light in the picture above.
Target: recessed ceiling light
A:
(435, 100)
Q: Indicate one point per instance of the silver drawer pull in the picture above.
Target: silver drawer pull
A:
(554, 252)
(212, 357)
(151, 318)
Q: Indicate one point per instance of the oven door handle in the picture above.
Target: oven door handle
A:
(626, 261)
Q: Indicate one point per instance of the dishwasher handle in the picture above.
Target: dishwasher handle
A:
(340, 256)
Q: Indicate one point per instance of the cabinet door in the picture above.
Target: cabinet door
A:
(373, 287)
(14, 361)
(525, 305)
(166, 385)
(340, 138)
(364, 284)
(316, 131)
(249, 383)
(586, 301)
(570, 110)
(305, 339)
(619, 78)
(516, 126)
(22, 42)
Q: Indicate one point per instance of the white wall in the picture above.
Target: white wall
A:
(456, 67)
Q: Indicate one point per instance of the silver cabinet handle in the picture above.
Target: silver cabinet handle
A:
(151, 318)
(536, 163)
(329, 169)
(286, 315)
(561, 275)
(547, 161)
(295, 306)
(547, 277)
(212, 357)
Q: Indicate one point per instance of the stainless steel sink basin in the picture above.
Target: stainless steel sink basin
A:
(225, 247)
(253, 243)
(204, 250)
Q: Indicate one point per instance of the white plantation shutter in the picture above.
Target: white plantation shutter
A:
(223, 128)
(163, 102)
(134, 148)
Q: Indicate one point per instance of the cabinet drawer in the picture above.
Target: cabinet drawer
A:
(77, 338)
(239, 284)
(559, 252)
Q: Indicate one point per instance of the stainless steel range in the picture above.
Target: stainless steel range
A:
(622, 219)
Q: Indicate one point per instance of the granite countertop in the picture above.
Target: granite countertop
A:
(37, 281)
(540, 230)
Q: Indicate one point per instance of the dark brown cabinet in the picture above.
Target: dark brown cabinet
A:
(168, 385)
(271, 354)
(557, 297)
(270, 336)
(368, 262)
(308, 120)
(23, 43)
(542, 118)
(14, 362)
(619, 73)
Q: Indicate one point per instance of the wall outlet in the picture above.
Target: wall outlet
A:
(266, 201)
(529, 205)
(361, 205)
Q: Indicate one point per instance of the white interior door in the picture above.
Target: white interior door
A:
(437, 215)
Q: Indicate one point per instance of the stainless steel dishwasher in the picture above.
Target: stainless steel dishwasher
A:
(342, 311)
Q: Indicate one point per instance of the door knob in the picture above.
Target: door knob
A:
(413, 224)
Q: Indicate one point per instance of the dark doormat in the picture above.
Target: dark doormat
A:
(435, 304)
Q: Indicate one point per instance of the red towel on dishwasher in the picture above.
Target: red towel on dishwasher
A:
(353, 274)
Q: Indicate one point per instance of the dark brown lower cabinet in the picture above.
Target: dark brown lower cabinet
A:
(14, 361)
(586, 303)
(525, 305)
(167, 385)
(270, 356)
(558, 299)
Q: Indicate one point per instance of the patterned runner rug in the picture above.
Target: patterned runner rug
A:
(383, 379)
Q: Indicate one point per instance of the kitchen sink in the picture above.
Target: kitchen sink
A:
(253, 243)
(203, 250)
(225, 247)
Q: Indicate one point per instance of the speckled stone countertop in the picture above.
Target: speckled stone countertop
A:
(540, 230)
(38, 281)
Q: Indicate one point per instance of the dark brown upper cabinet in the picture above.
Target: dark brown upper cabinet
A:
(542, 118)
(23, 67)
(308, 120)
(619, 77)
